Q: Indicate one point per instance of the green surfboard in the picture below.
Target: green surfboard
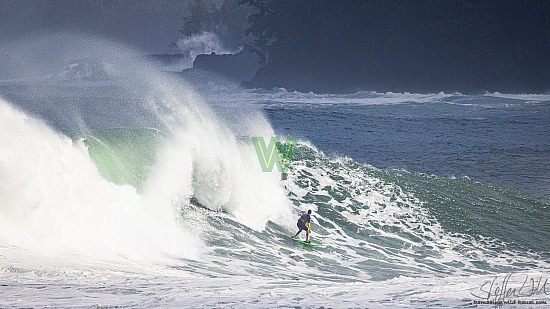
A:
(310, 244)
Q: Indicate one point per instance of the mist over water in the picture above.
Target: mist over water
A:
(200, 44)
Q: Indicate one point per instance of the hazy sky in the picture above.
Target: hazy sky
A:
(150, 25)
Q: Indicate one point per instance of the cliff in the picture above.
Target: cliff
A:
(239, 67)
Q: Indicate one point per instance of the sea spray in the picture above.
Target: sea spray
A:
(93, 196)
(222, 173)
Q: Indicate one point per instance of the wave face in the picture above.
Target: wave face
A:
(378, 224)
(108, 185)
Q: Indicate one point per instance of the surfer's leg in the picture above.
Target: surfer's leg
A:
(307, 235)
(300, 228)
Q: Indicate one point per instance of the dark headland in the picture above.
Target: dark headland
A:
(415, 46)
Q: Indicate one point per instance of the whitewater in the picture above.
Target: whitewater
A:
(125, 186)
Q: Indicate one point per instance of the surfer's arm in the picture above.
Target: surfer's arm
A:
(309, 226)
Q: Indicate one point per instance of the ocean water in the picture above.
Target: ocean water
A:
(123, 186)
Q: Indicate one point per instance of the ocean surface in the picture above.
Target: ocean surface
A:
(125, 186)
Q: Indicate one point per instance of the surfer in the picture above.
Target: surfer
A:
(304, 224)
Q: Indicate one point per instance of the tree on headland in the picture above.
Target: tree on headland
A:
(201, 17)
(262, 25)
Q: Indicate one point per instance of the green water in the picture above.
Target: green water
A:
(124, 156)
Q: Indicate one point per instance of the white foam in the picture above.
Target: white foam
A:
(53, 199)
(523, 97)
(389, 213)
